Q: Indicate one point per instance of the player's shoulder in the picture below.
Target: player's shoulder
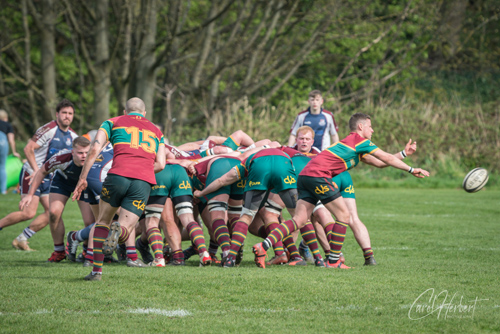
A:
(59, 158)
(315, 150)
(45, 129)
(327, 112)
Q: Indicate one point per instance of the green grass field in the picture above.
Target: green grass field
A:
(438, 271)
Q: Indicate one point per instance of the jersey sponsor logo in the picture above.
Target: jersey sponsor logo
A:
(349, 190)
(371, 144)
(158, 187)
(241, 184)
(289, 179)
(56, 139)
(307, 122)
(185, 185)
(321, 190)
(139, 204)
(251, 184)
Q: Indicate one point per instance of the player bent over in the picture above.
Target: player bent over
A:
(173, 182)
(264, 170)
(315, 183)
(67, 165)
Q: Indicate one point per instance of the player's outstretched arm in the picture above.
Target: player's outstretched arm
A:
(409, 149)
(391, 160)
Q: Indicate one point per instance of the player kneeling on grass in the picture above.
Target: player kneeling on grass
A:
(315, 183)
(68, 166)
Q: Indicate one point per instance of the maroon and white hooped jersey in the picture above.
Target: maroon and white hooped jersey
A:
(52, 140)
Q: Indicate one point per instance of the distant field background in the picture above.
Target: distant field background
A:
(441, 239)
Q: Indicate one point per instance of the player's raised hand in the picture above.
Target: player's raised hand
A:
(420, 173)
(80, 187)
(410, 147)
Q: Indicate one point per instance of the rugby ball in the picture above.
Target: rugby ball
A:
(475, 180)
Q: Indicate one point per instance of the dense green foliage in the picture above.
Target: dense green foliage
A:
(444, 240)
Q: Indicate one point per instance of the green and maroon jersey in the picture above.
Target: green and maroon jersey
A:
(242, 169)
(135, 141)
(339, 157)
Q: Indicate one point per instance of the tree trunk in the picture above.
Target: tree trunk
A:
(144, 83)
(48, 53)
(102, 82)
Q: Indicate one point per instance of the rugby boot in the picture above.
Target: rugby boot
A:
(319, 263)
(81, 257)
(176, 262)
(146, 255)
(239, 256)
(93, 277)
(278, 259)
(109, 245)
(121, 252)
(190, 251)
(21, 245)
(214, 259)
(205, 259)
(370, 261)
(342, 257)
(337, 264)
(110, 259)
(167, 253)
(297, 261)
(260, 255)
(137, 263)
(57, 257)
(71, 246)
(229, 263)
(157, 263)
(306, 253)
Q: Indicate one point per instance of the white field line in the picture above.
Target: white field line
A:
(445, 249)
(185, 313)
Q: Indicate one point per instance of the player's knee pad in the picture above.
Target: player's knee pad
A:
(273, 207)
(153, 212)
(234, 209)
(183, 208)
(248, 212)
(214, 205)
(318, 206)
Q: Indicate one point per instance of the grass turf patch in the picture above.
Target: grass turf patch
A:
(441, 245)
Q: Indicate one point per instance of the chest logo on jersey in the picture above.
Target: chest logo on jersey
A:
(322, 122)
(321, 190)
(289, 179)
(185, 185)
(68, 141)
(139, 204)
(241, 184)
